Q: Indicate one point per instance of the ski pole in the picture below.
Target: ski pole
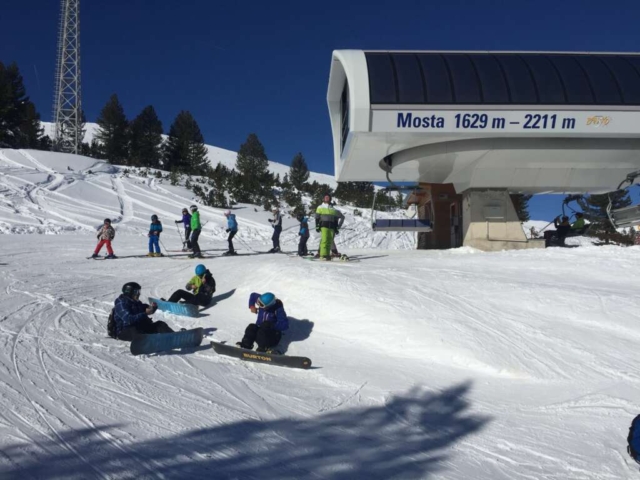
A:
(180, 233)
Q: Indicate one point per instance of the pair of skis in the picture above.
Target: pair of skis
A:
(162, 342)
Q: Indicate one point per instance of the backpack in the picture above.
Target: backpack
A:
(111, 324)
(634, 439)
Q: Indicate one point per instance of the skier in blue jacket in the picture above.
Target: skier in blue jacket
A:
(304, 235)
(131, 316)
(154, 237)
(272, 321)
(186, 221)
(232, 229)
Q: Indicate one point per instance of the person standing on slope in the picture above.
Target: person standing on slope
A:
(304, 235)
(272, 321)
(232, 229)
(106, 234)
(155, 229)
(200, 289)
(328, 222)
(196, 228)
(131, 316)
(276, 223)
(186, 221)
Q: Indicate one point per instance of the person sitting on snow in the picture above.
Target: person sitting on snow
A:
(131, 316)
(272, 321)
(202, 288)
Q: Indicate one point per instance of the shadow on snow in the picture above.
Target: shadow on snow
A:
(410, 437)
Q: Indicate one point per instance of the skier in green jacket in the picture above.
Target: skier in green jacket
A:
(196, 228)
(328, 222)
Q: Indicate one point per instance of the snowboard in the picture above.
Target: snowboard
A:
(253, 356)
(160, 342)
(185, 309)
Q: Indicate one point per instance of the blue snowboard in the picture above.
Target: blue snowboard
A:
(184, 309)
(160, 342)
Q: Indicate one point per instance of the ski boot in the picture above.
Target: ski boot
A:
(95, 255)
(111, 257)
(150, 254)
(158, 254)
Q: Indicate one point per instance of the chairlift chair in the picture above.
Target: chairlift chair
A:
(400, 225)
(625, 216)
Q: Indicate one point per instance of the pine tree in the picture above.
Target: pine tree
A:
(145, 139)
(253, 166)
(595, 210)
(185, 150)
(112, 134)
(299, 172)
(19, 121)
(521, 204)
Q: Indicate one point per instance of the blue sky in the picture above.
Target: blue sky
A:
(255, 66)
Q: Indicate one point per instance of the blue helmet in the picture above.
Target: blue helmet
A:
(266, 300)
(201, 270)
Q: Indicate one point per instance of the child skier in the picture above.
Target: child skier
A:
(186, 221)
(154, 237)
(232, 229)
(131, 316)
(202, 286)
(106, 233)
(272, 321)
(196, 228)
(276, 223)
(304, 235)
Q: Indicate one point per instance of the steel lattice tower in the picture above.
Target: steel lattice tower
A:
(67, 104)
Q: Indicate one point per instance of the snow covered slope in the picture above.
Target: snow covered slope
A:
(427, 364)
(216, 155)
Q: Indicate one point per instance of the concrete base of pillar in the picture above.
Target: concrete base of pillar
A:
(490, 222)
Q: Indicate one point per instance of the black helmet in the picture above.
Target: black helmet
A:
(154, 218)
(131, 289)
(185, 210)
(107, 220)
(193, 208)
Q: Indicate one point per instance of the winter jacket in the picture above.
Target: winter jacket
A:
(328, 217)
(578, 224)
(128, 312)
(275, 314)
(304, 227)
(203, 290)
(186, 220)
(155, 229)
(195, 221)
(232, 224)
(106, 233)
(276, 221)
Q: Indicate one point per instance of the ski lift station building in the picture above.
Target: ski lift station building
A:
(474, 127)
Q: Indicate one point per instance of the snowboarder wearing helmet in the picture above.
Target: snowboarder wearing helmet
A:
(304, 235)
(232, 229)
(201, 288)
(106, 234)
(186, 221)
(276, 223)
(328, 222)
(196, 228)
(272, 321)
(155, 229)
(131, 316)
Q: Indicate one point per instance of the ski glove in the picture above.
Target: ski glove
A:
(318, 230)
(228, 230)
